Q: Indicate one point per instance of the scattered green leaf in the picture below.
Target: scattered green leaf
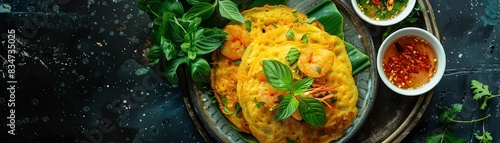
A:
(292, 56)
(248, 25)
(259, 103)
(290, 34)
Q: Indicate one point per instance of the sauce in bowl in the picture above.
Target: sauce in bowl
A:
(381, 10)
(409, 62)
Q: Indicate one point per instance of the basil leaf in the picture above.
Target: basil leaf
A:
(191, 54)
(168, 48)
(163, 26)
(312, 111)
(178, 30)
(318, 69)
(302, 85)
(292, 56)
(278, 75)
(287, 107)
(248, 25)
(200, 70)
(154, 54)
(194, 24)
(154, 10)
(290, 34)
(229, 10)
(201, 9)
(193, 2)
(210, 40)
(172, 70)
(173, 6)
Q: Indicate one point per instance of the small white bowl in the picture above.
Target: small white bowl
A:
(436, 45)
(402, 15)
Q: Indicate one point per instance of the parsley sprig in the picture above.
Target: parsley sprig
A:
(447, 117)
(481, 91)
(177, 34)
(280, 77)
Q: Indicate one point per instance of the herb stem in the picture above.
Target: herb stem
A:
(177, 22)
(469, 121)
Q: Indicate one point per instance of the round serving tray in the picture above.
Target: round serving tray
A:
(391, 118)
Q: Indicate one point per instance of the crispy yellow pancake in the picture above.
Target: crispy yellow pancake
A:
(224, 71)
(252, 88)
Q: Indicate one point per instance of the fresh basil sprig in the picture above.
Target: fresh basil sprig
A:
(177, 34)
(280, 77)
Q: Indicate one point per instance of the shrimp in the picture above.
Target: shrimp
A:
(237, 39)
(316, 62)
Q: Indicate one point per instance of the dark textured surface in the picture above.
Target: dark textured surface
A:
(77, 59)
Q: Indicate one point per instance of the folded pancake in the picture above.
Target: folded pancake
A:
(323, 50)
(261, 20)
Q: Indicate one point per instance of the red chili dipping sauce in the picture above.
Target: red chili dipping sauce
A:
(410, 62)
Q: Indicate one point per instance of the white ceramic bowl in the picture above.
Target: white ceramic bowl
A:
(436, 45)
(402, 15)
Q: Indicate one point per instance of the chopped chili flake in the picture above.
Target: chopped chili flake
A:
(376, 2)
(401, 67)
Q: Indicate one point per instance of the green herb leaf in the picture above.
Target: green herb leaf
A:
(280, 98)
(287, 107)
(224, 104)
(154, 54)
(278, 75)
(310, 20)
(173, 6)
(237, 107)
(479, 89)
(237, 62)
(200, 70)
(304, 39)
(172, 70)
(259, 3)
(290, 34)
(485, 138)
(302, 85)
(201, 9)
(412, 19)
(334, 100)
(163, 25)
(193, 2)
(258, 103)
(229, 10)
(210, 40)
(436, 138)
(168, 48)
(248, 25)
(312, 111)
(294, 12)
(275, 26)
(178, 31)
(318, 69)
(450, 113)
(292, 56)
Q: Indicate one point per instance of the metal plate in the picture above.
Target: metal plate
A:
(355, 33)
